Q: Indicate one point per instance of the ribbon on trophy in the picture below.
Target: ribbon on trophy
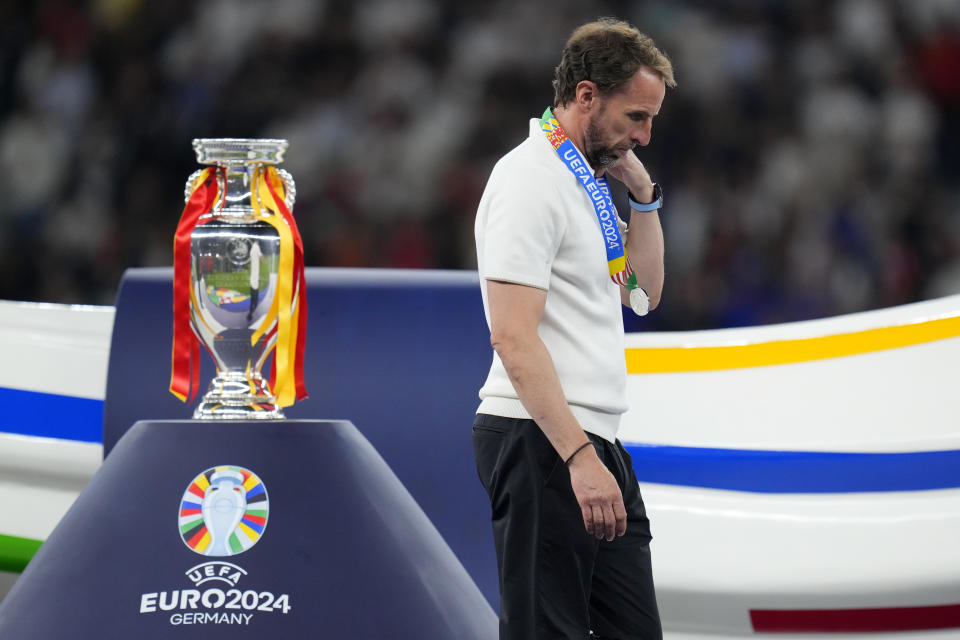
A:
(289, 306)
(618, 263)
(287, 315)
(185, 367)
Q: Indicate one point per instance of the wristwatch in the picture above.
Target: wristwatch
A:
(651, 206)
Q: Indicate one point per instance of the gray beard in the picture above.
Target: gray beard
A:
(598, 156)
(601, 158)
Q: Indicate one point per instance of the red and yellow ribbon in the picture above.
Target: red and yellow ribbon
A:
(185, 356)
(289, 306)
(287, 315)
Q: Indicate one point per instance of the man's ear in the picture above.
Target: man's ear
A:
(587, 92)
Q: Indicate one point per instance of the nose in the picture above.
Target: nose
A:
(641, 135)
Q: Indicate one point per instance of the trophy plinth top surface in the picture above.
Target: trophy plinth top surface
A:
(239, 151)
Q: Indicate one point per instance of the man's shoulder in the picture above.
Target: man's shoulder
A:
(531, 158)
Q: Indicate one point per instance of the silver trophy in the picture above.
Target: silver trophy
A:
(235, 260)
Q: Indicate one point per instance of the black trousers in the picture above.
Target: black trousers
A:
(556, 580)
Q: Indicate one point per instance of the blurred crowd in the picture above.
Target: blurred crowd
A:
(810, 155)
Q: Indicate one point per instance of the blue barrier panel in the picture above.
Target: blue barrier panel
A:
(245, 529)
(50, 415)
(760, 471)
(400, 353)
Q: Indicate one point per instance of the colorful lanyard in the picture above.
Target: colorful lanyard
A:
(599, 194)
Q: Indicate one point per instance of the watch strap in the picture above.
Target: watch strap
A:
(651, 206)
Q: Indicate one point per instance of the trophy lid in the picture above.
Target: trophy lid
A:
(239, 151)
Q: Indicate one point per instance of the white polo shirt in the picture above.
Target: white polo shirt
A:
(536, 226)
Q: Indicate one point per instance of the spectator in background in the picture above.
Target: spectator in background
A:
(827, 132)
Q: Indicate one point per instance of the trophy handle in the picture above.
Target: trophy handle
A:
(291, 188)
(188, 188)
(290, 197)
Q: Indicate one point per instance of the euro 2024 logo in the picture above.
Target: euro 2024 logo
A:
(223, 512)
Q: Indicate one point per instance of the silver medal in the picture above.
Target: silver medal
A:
(639, 301)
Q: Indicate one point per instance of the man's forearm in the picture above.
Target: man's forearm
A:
(645, 248)
(644, 241)
(535, 379)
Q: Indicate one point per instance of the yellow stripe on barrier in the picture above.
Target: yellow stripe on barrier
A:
(762, 354)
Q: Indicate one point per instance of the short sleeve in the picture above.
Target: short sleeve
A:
(522, 227)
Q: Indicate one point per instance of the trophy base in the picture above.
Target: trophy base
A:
(219, 409)
(235, 397)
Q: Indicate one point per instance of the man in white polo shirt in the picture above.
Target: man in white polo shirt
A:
(556, 263)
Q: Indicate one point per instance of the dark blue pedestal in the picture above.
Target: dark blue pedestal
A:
(400, 352)
(331, 544)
